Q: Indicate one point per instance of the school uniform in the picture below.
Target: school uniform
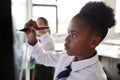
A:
(45, 72)
(88, 69)
(47, 42)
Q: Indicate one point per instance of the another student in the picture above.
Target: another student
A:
(85, 32)
(40, 71)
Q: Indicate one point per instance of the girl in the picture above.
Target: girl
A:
(86, 30)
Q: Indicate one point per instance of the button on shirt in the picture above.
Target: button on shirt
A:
(88, 69)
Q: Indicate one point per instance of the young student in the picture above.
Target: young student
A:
(86, 30)
(40, 71)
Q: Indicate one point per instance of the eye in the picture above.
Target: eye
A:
(73, 35)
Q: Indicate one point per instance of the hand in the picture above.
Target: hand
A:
(31, 33)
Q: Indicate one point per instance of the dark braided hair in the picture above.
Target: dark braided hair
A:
(97, 17)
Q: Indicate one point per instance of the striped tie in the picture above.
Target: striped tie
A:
(65, 73)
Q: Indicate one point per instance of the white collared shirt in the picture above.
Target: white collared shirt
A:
(88, 69)
(47, 42)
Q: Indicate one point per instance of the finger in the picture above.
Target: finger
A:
(35, 24)
(26, 25)
(32, 29)
(30, 22)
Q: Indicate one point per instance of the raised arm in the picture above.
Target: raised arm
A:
(48, 58)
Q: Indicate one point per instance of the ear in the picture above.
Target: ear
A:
(95, 40)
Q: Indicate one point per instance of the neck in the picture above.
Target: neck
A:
(87, 56)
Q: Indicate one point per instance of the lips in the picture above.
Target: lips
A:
(66, 46)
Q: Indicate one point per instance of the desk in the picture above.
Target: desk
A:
(108, 50)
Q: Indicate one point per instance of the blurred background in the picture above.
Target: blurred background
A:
(58, 13)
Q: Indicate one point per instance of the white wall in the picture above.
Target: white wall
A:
(111, 34)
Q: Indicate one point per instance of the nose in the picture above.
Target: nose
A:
(67, 39)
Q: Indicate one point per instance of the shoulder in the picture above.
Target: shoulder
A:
(47, 37)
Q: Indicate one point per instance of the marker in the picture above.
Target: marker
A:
(37, 28)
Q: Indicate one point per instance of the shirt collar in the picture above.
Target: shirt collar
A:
(84, 63)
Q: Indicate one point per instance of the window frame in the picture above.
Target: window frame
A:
(49, 5)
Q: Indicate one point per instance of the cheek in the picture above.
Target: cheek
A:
(75, 45)
(80, 46)
(76, 49)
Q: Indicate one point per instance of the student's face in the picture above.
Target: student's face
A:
(78, 41)
(41, 24)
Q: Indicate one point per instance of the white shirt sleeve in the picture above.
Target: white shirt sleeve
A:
(48, 58)
(48, 44)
